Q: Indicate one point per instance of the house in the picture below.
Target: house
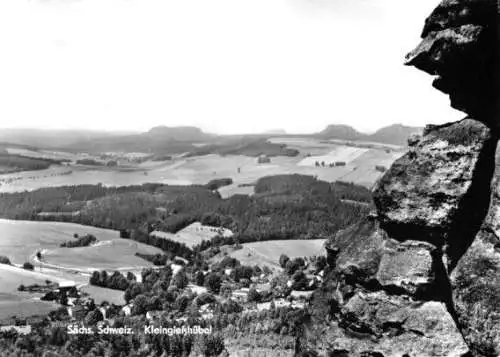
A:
(21, 330)
(206, 312)
(77, 312)
(175, 268)
(153, 315)
(127, 310)
(240, 294)
(68, 287)
(103, 310)
(263, 159)
(301, 295)
(181, 261)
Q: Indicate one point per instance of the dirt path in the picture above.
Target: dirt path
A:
(19, 270)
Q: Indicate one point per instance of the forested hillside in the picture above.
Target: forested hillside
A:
(15, 163)
(284, 207)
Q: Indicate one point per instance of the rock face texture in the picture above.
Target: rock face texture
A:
(459, 47)
(476, 283)
(421, 275)
(427, 194)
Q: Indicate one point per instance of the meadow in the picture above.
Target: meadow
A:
(108, 255)
(244, 170)
(268, 253)
(19, 240)
(194, 234)
(20, 304)
(101, 295)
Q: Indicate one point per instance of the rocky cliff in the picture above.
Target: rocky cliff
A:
(421, 275)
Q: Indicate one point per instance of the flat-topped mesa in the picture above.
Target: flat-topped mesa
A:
(460, 46)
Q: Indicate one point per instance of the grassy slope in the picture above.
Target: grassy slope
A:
(20, 239)
(16, 303)
(268, 253)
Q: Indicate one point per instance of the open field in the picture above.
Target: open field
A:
(344, 154)
(360, 159)
(19, 240)
(268, 253)
(21, 304)
(100, 295)
(44, 154)
(194, 234)
(105, 255)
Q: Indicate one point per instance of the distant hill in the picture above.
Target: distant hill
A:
(179, 133)
(160, 139)
(45, 138)
(340, 131)
(275, 132)
(396, 134)
(182, 139)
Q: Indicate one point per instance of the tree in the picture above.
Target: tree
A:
(205, 298)
(4, 260)
(242, 272)
(266, 270)
(283, 260)
(253, 295)
(292, 266)
(180, 280)
(320, 263)
(132, 291)
(182, 302)
(300, 281)
(140, 305)
(95, 278)
(212, 345)
(199, 278)
(93, 317)
(213, 282)
(231, 307)
(28, 266)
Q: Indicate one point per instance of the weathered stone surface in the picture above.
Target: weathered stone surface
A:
(460, 47)
(403, 326)
(357, 250)
(440, 185)
(407, 267)
(388, 291)
(476, 283)
(390, 326)
(364, 254)
(476, 294)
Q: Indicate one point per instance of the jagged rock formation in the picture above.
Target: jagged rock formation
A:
(476, 282)
(421, 276)
(427, 194)
(459, 46)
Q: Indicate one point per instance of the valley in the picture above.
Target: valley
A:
(234, 228)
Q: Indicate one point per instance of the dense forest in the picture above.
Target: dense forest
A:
(283, 207)
(247, 146)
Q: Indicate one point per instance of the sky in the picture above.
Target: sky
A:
(226, 66)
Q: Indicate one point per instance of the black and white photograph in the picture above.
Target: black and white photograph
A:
(249, 178)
